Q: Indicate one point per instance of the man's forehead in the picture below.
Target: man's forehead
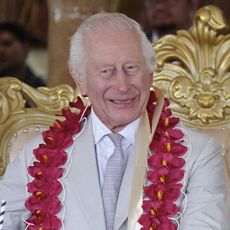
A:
(111, 40)
(113, 51)
(114, 46)
(6, 34)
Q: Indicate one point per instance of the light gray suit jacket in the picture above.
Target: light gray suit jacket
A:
(204, 206)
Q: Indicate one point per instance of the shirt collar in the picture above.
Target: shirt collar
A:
(100, 130)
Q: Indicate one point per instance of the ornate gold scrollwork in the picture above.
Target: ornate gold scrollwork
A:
(10, 98)
(23, 107)
(193, 69)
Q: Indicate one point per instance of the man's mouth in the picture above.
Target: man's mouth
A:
(122, 101)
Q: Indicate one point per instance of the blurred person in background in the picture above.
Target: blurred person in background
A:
(168, 16)
(14, 48)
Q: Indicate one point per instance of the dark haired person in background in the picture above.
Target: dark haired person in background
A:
(14, 48)
(168, 16)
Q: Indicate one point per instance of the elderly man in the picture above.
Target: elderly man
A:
(124, 162)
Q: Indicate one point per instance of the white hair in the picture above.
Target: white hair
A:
(77, 57)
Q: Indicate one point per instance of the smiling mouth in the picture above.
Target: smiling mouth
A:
(120, 102)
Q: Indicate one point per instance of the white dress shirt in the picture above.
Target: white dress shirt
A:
(105, 147)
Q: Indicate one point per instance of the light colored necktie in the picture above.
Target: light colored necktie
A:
(112, 181)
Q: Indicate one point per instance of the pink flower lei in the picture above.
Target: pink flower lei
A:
(164, 170)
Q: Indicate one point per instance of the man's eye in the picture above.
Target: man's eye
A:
(8, 43)
(131, 69)
(106, 72)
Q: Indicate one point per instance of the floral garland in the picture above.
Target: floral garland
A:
(47, 170)
(164, 174)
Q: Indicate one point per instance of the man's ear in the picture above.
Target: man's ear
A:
(81, 85)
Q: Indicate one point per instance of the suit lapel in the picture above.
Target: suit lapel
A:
(131, 190)
(144, 137)
(127, 182)
(85, 179)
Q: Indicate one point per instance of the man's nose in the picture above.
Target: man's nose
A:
(121, 81)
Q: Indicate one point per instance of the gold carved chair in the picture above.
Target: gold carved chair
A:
(25, 112)
(193, 70)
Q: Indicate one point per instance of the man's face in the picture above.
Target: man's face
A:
(170, 14)
(12, 51)
(117, 80)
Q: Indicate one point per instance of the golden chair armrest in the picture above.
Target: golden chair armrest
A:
(24, 108)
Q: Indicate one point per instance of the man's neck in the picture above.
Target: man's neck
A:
(168, 29)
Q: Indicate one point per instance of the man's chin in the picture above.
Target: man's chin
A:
(166, 29)
(121, 123)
